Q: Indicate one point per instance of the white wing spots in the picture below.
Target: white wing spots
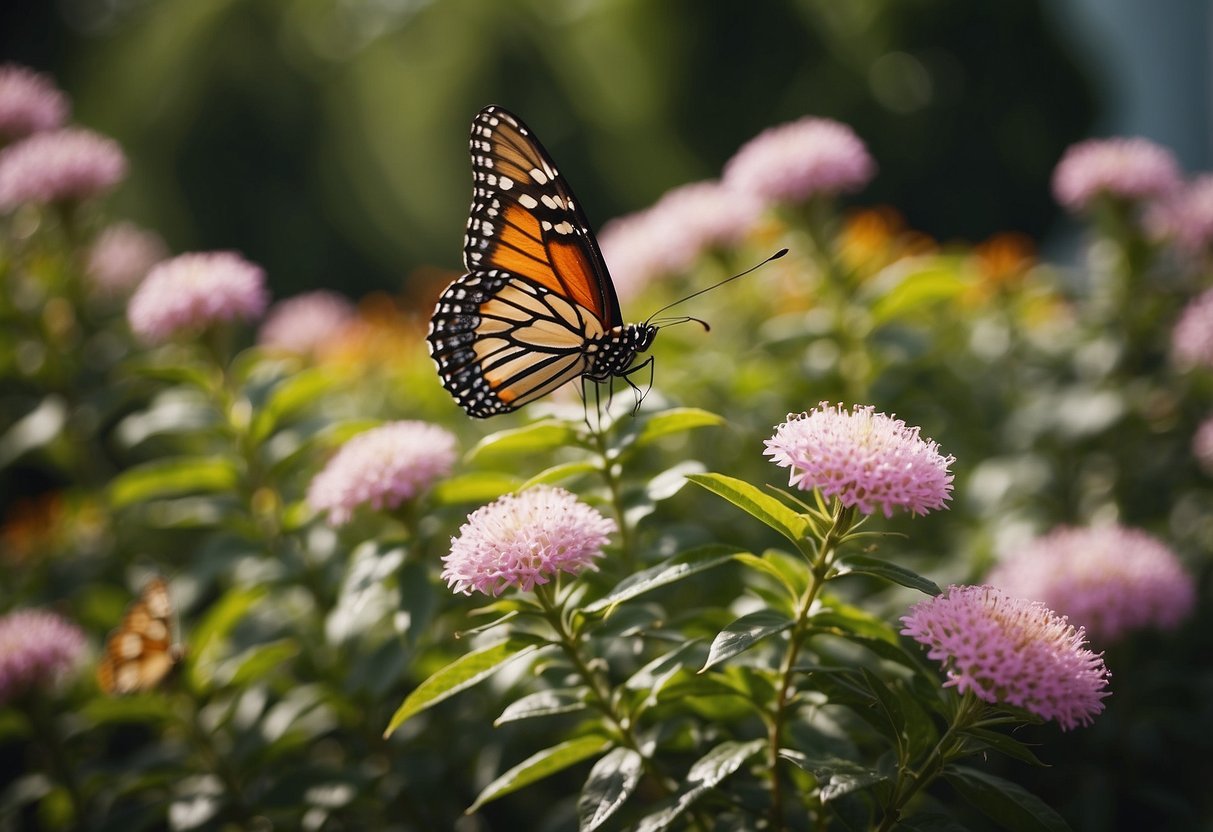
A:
(504, 183)
(545, 225)
(563, 228)
(528, 202)
(540, 176)
(554, 203)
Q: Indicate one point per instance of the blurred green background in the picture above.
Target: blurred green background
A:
(326, 139)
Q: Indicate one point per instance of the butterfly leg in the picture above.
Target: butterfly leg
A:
(640, 394)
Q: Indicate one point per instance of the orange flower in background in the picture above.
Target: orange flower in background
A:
(872, 238)
(1005, 258)
(380, 335)
(49, 524)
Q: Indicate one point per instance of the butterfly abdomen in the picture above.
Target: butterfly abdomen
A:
(615, 352)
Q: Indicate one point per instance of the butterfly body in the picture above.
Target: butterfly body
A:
(536, 307)
(141, 652)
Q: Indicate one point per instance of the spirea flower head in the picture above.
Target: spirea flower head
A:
(1192, 337)
(1011, 651)
(801, 159)
(59, 166)
(523, 539)
(29, 102)
(1186, 217)
(671, 235)
(1109, 579)
(37, 649)
(1126, 169)
(191, 292)
(306, 322)
(121, 257)
(863, 458)
(1202, 445)
(382, 467)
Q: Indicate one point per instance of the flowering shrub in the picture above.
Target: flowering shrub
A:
(611, 614)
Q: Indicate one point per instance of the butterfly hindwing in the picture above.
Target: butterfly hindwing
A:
(140, 653)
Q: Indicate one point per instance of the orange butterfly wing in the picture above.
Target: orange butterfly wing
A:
(140, 652)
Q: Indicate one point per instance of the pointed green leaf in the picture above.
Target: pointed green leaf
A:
(1003, 744)
(563, 471)
(864, 565)
(543, 703)
(705, 774)
(611, 782)
(539, 765)
(915, 283)
(460, 675)
(526, 440)
(478, 487)
(257, 662)
(675, 569)
(835, 776)
(674, 420)
(173, 477)
(214, 628)
(291, 395)
(1010, 806)
(756, 503)
(743, 634)
(669, 482)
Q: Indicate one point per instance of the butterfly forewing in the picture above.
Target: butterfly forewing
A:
(525, 219)
(141, 651)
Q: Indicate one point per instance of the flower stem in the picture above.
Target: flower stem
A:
(843, 520)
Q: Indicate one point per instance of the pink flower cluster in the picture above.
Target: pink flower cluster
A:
(671, 235)
(1109, 579)
(305, 323)
(59, 166)
(863, 458)
(801, 159)
(38, 648)
(1192, 337)
(121, 257)
(29, 102)
(1011, 651)
(1128, 169)
(191, 292)
(523, 539)
(382, 467)
(1186, 218)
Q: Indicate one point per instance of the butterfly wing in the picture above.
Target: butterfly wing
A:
(515, 327)
(140, 652)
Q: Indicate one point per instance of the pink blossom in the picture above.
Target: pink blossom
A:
(383, 468)
(29, 102)
(1186, 217)
(1011, 651)
(191, 292)
(801, 159)
(38, 648)
(305, 323)
(1128, 169)
(670, 236)
(523, 539)
(1192, 337)
(121, 257)
(1109, 579)
(863, 458)
(59, 166)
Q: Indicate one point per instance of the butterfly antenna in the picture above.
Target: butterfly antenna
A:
(774, 256)
(682, 319)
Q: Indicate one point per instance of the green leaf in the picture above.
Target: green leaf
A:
(539, 765)
(258, 662)
(756, 503)
(669, 482)
(173, 477)
(1003, 744)
(917, 283)
(478, 487)
(150, 707)
(673, 570)
(743, 634)
(293, 394)
(543, 703)
(529, 439)
(789, 571)
(460, 675)
(218, 622)
(864, 565)
(835, 776)
(563, 471)
(1008, 805)
(611, 782)
(656, 674)
(705, 774)
(674, 420)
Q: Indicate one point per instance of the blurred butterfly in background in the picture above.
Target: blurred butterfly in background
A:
(536, 308)
(141, 652)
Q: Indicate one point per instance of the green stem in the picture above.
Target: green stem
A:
(46, 727)
(843, 520)
(911, 781)
(614, 484)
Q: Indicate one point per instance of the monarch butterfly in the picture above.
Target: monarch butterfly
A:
(536, 307)
(140, 652)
